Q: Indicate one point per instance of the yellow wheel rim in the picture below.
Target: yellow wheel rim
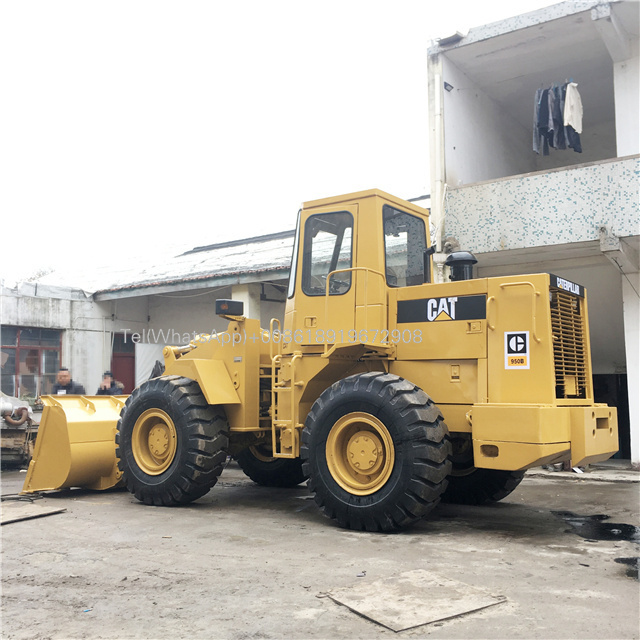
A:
(154, 441)
(360, 453)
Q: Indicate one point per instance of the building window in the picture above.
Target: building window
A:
(327, 248)
(30, 360)
(405, 241)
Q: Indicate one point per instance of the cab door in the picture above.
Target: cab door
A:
(325, 296)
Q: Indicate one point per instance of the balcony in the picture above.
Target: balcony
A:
(546, 208)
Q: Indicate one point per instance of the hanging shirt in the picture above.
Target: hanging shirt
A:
(559, 132)
(573, 108)
(542, 122)
(573, 139)
(537, 138)
(551, 100)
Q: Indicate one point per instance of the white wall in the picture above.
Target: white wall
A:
(145, 360)
(627, 98)
(630, 288)
(86, 325)
(176, 314)
(598, 142)
(482, 141)
(270, 309)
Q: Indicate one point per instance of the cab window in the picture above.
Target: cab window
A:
(327, 247)
(404, 244)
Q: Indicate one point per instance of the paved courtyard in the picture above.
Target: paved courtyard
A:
(553, 560)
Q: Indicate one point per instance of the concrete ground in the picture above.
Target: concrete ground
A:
(247, 562)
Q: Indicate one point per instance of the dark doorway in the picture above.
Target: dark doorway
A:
(123, 361)
(611, 388)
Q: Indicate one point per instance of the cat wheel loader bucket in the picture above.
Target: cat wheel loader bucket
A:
(75, 446)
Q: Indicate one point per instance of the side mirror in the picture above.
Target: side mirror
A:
(427, 262)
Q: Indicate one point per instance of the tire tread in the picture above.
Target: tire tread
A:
(423, 439)
(199, 461)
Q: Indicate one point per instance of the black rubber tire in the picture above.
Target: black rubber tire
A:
(420, 444)
(468, 485)
(481, 486)
(276, 472)
(202, 439)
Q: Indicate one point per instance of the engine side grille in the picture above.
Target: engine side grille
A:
(569, 353)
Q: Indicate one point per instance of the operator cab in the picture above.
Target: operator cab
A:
(348, 252)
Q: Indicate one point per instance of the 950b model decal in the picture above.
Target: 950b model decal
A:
(516, 350)
(439, 309)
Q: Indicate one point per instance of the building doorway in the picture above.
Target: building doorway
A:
(612, 389)
(123, 361)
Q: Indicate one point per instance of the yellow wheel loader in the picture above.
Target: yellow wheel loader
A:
(387, 392)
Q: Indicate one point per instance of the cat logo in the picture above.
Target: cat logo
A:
(516, 350)
(441, 309)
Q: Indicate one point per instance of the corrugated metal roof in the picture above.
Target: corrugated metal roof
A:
(258, 255)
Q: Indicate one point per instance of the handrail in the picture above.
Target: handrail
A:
(490, 299)
(271, 342)
(526, 283)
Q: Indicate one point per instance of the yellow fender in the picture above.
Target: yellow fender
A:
(212, 376)
(75, 446)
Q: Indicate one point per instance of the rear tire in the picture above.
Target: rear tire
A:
(481, 486)
(258, 464)
(468, 485)
(376, 451)
(171, 444)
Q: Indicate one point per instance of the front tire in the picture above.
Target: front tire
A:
(376, 451)
(171, 445)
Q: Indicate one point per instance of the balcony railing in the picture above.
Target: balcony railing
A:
(560, 206)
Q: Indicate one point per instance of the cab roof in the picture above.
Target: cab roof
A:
(361, 195)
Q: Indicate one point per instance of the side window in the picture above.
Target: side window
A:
(327, 247)
(404, 245)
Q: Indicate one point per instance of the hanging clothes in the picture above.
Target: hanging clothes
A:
(573, 107)
(559, 131)
(551, 104)
(573, 117)
(573, 138)
(538, 141)
(541, 122)
(557, 118)
(556, 115)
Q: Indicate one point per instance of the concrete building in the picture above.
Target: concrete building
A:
(121, 320)
(572, 214)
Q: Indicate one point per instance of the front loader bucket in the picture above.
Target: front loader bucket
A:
(75, 445)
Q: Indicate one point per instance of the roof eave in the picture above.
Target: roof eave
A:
(190, 284)
(515, 23)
